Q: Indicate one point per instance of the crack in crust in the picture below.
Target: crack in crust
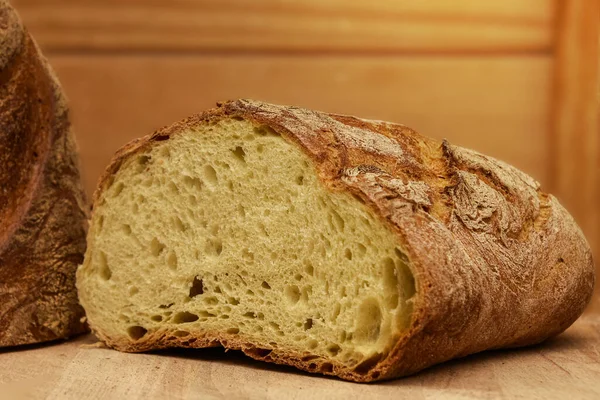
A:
(497, 263)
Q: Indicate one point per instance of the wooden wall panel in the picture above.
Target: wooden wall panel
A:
(276, 25)
(496, 105)
(575, 146)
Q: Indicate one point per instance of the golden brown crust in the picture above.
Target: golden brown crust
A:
(42, 207)
(497, 262)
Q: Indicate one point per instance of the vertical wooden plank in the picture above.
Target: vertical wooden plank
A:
(574, 146)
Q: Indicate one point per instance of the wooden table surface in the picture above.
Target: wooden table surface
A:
(566, 367)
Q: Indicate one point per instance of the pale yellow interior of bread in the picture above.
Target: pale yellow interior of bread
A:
(226, 229)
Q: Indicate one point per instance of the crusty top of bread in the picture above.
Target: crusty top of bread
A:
(497, 262)
(42, 207)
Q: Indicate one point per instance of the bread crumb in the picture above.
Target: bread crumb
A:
(97, 345)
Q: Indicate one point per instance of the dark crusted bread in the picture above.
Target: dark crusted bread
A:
(43, 220)
(334, 244)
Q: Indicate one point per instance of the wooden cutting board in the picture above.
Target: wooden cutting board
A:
(566, 367)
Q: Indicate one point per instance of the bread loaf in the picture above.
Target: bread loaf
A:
(42, 208)
(334, 244)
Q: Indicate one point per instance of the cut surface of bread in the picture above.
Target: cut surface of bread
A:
(337, 245)
(227, 230)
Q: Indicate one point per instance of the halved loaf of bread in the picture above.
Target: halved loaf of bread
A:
(330, 243)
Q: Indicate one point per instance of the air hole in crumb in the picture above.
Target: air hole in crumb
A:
(339, 221)
(362, 250)
(133, 291)
(368, 321)
(265, 131)
(310, 270)
(300, 180)
(348, 254)
(327, 367)
(211, 301)
(306, 293)
(206, 314)
(407, 280)
(336, 311)
(126, 229)
(143, 160)
(197, 287)
(265, 285)
(136, 332)
(118, 189)
(173, 188)
(100, 222)
(103, 269)
(366, 365)
(233, 301)
(292, 294)
(257, 352)
(390, 283)
(172, 260)
(181, 333)
(333, 349)
(241, 210)
(166, 305)
(184, 317)
(156, 247)
(249, 314)
(239, 154)
(298, 277)
(274, 325)
(217, 245)
(165, 152)
(308, 324)
(192, 183)
(233, 331)
(156, 318)
(210, 174)
(401, 255)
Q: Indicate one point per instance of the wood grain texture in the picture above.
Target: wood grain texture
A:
(565, 367)
(575, 148)
(275, 25)
(484, 103)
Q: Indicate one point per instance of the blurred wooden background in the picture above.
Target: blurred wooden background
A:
(511, 78)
